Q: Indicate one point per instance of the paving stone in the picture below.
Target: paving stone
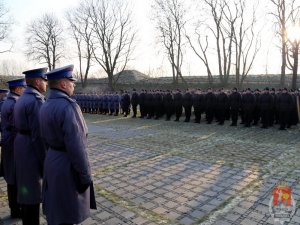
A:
(183, 171)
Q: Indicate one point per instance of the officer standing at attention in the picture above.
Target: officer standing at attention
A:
(134, 102)
(16, 88)
(3, 93)
(68, 190)
(29, 148)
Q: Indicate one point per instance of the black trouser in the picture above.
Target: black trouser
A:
(142, 110)
(283, 118)
(265, 118)
(197, 112)
(209, 114)
(187, 112)
(15, 208)
(234, 116)
(248, 116)
(178, 112)
(134, 109)
(221, 115)
(31, 214)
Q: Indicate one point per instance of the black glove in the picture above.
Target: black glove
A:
(82, 187)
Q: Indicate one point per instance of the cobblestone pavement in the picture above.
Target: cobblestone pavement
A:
(150, 172)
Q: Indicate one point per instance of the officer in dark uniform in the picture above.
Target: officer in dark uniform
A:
(29, 148)
(168, 104)
(158, 102)
(235, 100)
(126, 103)
(266, 102)
(134, 102)
(142, 98)
(3, 93)
(149, 104)
(177, 102)
(222, 105)
(210, 102)
(256, 112)
(273, 107)
(248, 104)
(68, 187)
(198, 100)
(187, 102)
(284, 103)
(8, 134)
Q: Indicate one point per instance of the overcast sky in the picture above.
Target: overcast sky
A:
(148, 56)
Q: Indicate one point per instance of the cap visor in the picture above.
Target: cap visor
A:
(72, 79)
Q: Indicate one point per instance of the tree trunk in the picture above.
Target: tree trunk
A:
(283, 65)
(295, 67)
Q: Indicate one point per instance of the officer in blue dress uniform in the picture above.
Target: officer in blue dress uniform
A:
(68, 190)
(29, 148)
(3, 93)
(8, 134)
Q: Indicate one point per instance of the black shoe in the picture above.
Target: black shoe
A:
(264, 127)
(221, 123)
(133, 116)
(168, 119)
(16, 214)
(282, 128)
(233, 125)
(186, 120)
(176, 120)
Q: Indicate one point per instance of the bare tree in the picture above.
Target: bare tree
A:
(114, 35)
(246, 40)
(45, 41)
(202, 52)
(5, 25)
(283, 13)
(293, 45)
(226, 32)
(82, 29)
(170, 23)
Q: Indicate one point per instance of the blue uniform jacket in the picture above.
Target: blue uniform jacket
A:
(7, 138)
(65, 133)
(29, 148)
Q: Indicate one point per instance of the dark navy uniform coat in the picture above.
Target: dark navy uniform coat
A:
(7, 138)
(65, 133)
(29, 147)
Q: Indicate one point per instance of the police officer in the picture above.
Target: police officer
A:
(285, 102)
(235, 100)
(177, 102)
(67, 179)
(222, 103)
(266, 102)
(248, 105)
(8, 134)
(29, 148)
(168, 104)
(3, 93)
(210, 102)
(134, 102)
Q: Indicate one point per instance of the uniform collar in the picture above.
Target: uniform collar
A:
(56, 93)
(12, 95)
